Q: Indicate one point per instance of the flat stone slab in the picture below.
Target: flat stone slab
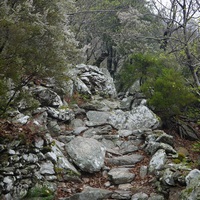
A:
(91, 193)
(125, 160)
(121, 175)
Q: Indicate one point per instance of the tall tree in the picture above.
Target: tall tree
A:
(181, 34)
(105, 29)
(35, 41)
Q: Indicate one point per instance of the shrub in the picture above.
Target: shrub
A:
(168, 94)
(139, 66)
(164, 86)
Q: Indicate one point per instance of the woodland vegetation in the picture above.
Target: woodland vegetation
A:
(134, 39)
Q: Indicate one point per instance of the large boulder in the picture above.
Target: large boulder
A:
(87, 153)
(139, 117)
(88, 79)
(47, 97)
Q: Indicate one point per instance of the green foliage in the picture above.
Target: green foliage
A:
(35, 41)
(139, 66)
(170, 93)
(164, 86)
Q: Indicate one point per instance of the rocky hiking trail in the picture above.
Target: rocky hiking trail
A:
(123, 177)
(102, 147)
(125, 173)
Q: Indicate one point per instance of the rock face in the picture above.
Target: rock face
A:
(112, 140)
(87, 153)
(139, 117)
(47, 97)
(90, 79)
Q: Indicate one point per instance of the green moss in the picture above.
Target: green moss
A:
(46, 149)
(38, 191)
(53, 143)
(189, 190)
(68, 172)
(58, 170)
(72, 173)
(176, 161)
(181, 156)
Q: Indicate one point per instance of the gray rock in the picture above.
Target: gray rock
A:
(127, 147)
(51, 156)
(65, 138)
(86, 153)
(139, 117)
(47, 168)
(39, 143)
(125, 133)
(91, 132)
(7, 196)
(40, 115)
(152, 147)
(98, 117)
(192, 191)
(122, 194)
(53, 127)
(62, 162)
(79, 130)
(192, 175)
(21, 118)
(101, 104)
(134, 88)
(125, 160)
(109, 144)
(121, 175)
(60, 114)
(109, 86)
(140, 196)
(81, 86)
(75, 123)
(11, 152)
(31, 158)
(143, 171)
(168, 177)
(158, 160)
(165, 138)
(47, 97)
(89, 79)
(142, 117)
(125, 103)
(8, 183)
(126, 186)
(156, 197)
(21, 190)
(91, 193)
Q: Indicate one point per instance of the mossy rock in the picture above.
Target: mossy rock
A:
(40, 193)
(182, 153)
